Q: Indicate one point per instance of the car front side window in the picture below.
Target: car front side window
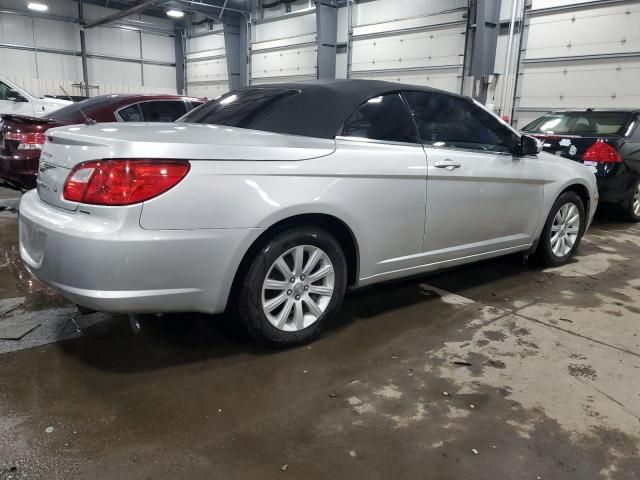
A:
(382, 118)
(454, 122)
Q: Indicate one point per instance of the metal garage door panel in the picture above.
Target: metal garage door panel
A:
(284, 63)
(554, 3)
(445, 79)
(286, 27)
(208, 70)
(207, 90)
(602, 30)
(430, 48)
(215, 41)
(611, 83)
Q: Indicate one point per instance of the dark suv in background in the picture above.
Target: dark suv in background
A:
(607, 141)
(22, 137)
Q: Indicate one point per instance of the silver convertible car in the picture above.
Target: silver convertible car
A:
(273, 200)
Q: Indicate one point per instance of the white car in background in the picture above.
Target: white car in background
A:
(17, 101)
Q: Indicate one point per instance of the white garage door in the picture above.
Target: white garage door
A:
(424, 49)
(580, 56)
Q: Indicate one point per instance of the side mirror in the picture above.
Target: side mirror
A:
(14, 96)
(529, 146)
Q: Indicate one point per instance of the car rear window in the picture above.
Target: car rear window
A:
(72, 114)
(241, 108)
(580, 123)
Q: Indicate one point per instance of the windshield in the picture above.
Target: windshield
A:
(580, 123)
(72, 114)
(241, 108)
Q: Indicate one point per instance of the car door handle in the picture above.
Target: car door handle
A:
(448, 164)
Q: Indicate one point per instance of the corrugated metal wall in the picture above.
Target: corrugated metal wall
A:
(580, 55)
(41, 53)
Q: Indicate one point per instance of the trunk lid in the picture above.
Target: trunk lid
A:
(574, 147)
(20, 124)
(68, 146)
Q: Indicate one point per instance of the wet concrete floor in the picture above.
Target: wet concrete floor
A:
(493, 371)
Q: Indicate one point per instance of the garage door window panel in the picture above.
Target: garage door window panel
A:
(451, 122)
(384, 118)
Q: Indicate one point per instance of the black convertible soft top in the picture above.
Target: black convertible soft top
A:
(322, 106)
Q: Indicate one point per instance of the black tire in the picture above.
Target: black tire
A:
(249, 297)
(545, 250)
(628, 207)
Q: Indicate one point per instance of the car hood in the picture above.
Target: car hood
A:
(56, 101)
(177, 140)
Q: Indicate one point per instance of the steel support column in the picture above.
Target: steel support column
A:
(485, 39)
(83, 49)
(233, 48)
(327, 30)
(180, 71)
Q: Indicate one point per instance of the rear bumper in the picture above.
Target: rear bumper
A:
(617, 187)
(109, 263)
(19, 171)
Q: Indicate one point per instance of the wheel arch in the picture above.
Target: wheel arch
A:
(332, 224)
(583, 192)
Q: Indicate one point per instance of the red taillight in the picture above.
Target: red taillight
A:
(122, 181)
(28, 141)
(602, 152)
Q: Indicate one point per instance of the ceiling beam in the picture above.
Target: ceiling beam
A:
(124, 13)
(223, 7)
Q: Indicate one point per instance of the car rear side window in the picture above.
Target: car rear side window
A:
(580, 123)
(163, 110)
(382, 118)
(455, 122)
(241, 108)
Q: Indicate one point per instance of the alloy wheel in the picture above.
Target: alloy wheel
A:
(636, 201)
(565, 229)
(298, 288)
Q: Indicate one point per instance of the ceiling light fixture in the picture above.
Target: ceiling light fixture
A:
(38, 7)
(175, 13)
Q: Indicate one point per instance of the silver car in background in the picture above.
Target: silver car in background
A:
(273, 200)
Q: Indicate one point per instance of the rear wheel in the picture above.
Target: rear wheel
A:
(294, 284)
(632, 205)
(563, 230)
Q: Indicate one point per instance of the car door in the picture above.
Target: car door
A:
(17, 107)
(481, 197)
(381, 171)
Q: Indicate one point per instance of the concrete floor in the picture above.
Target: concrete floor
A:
(548, 389)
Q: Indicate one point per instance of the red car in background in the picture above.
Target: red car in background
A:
(22, 137)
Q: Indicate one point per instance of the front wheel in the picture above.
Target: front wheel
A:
(294, 284)
(563, 230)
